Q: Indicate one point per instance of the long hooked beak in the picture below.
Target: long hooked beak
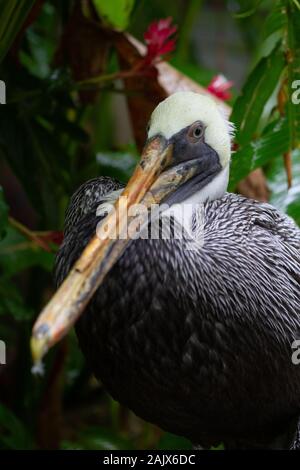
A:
(149, 184)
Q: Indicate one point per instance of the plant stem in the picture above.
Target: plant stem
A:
(107, 78)
(29, 234)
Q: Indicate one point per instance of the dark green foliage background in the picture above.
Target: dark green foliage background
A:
(50, 143)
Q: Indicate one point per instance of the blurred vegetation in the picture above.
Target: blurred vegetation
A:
(60, 128)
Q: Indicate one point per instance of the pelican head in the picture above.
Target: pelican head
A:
(191, 118)
(187, 151)
(194, 126)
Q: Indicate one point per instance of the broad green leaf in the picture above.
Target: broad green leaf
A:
(257, 90)
(273, 31)
(287, 200)
(13, 433)
(115, 13)
(276, 20)
(267, 46)
(257, 153)
(12, 17)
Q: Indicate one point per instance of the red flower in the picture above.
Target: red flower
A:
(157, 38)
(220, 86)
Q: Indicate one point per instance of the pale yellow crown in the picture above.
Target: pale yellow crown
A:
(185, 107)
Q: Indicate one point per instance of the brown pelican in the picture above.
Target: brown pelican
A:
(193, 333)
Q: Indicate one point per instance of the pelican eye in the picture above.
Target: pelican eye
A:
(196, 132)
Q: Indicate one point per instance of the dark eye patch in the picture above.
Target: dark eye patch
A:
(186, 146)
(196, 132)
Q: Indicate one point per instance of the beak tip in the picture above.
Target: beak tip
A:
(39, 347)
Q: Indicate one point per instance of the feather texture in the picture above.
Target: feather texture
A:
(199, 342)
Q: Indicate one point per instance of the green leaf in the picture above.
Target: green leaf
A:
(12, 303)
(41, 42)
(116, 164)
(3, 214)
(115, 13)
(287, 200)
(276, 20)
(273, 30)
(256, 154)
(244, 8)
(292, 53)
(257, 90)
(170, 441)
(98, 438)
(38, 160)
(13, 15)
(18, 253)
(218, 447)
(13, 434)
